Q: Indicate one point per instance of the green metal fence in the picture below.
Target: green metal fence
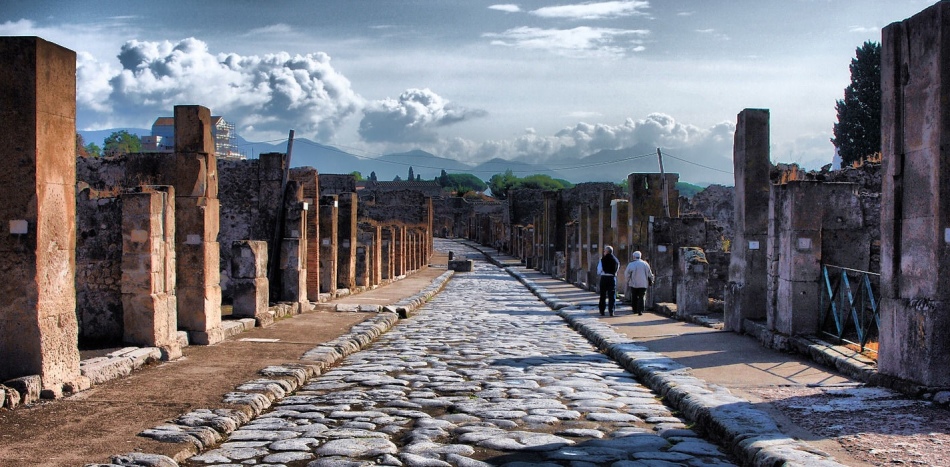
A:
(849, 305)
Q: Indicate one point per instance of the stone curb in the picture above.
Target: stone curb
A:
(750, 434)
(203, 428)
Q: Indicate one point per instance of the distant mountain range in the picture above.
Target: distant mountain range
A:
(606, 165)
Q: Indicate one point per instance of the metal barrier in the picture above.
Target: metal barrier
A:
(850, 314)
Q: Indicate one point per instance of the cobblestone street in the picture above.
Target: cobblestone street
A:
(484, 374)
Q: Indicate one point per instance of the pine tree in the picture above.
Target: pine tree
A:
(858, 131)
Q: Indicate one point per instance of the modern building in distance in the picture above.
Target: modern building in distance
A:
(162, 138)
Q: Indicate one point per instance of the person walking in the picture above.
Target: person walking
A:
(639, 276)
(607, 269)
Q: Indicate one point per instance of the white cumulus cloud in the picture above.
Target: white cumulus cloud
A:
(412, 117)
(261, 95)
(594, 10)
(582, 41)
(506, 7)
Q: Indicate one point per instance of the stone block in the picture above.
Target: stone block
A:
(797, 308)
(251, 296)
(10, 399)
(193, 131)
(461, 265)
(197, 220)
(100, 370)
(248, 259)
(207, 337)
(147, 320)
(272, 166)
(198, 265)
(29, 387)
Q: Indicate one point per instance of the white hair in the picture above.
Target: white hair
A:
(637, 255)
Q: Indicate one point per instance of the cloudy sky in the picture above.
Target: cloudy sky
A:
(544, 81)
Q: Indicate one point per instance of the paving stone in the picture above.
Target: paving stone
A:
(357, 447)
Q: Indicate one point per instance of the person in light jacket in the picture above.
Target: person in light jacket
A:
(639, 276)
(607, 269)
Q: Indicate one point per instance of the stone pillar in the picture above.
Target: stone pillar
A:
(346, 241)
(618, 222)
(310, 181)
(374, 245)
(745, 294)
(197, 217)
(387, 260)
(149, 315)
(915, 212)
(38, 328)
(367, 255)
(692, 296)
(549, 233)
(328, 248)
(293, 248)
(399, 251)
(249, 279)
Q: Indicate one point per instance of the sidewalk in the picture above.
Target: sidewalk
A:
(93, 425)
(819, 410)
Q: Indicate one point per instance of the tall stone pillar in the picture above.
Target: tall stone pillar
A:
(197, 217)
(149, 305)
(915, 205)
(618, 221)
(745, 294)
(38, 328)
(293, 248)
(346, 241)
(328, 238)
(549, 232)
(399, 251)
(387, 263)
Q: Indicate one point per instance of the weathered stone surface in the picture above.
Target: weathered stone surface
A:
(357, 447)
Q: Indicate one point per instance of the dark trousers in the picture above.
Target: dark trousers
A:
(608, 293)
(637, 301)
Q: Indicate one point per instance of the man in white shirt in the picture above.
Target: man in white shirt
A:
(639, 276)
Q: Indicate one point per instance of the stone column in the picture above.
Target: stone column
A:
(328, 243)
(618, 221)
(346, 241)
(915, 213)
(399, 251)
(149, 315)
(293, 248)
(249, 279)
(692, 296)
(387, 263)
(745, 294)
(38, 329)
(197, 217)
(549, 233)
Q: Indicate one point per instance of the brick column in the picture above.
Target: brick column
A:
(310, 181)
(328, 238)
(346, 241)
(386, 258)
(149, 305)
(399, 251)
(915, 212)
(746, 292)
(38, 329)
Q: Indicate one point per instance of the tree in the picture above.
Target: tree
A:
(122, 142)
(86, 150)
(372, 176)
(858, 131)
(358, 175)
(411, 176)
(499, 184)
